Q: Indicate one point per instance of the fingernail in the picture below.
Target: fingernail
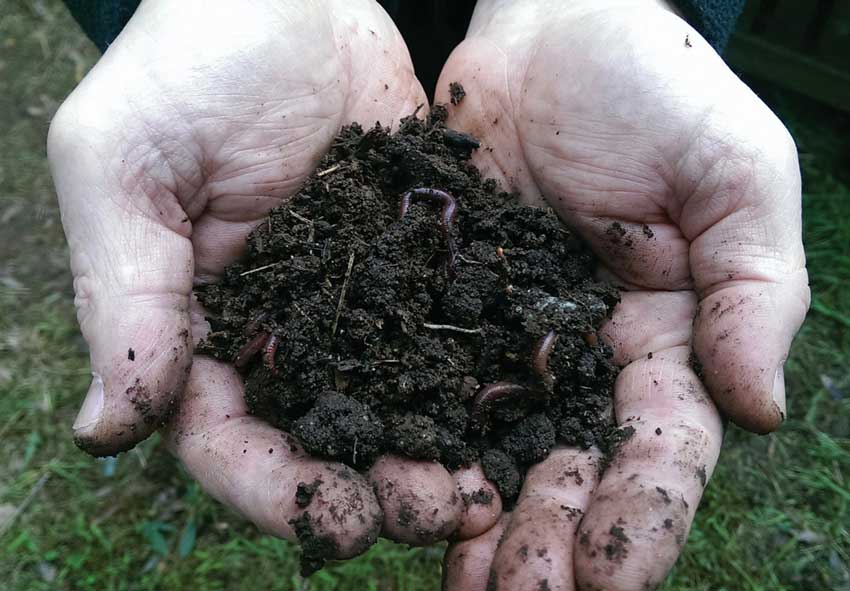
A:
(92, 406)
(779, 390)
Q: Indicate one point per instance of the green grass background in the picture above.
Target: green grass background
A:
(776, 516)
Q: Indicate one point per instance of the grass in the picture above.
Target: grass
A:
(775, 517)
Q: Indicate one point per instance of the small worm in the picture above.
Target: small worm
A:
(447, 216)
(251, 348)
(269, 353)
(540, 358)
(492, 392)
(252, 326)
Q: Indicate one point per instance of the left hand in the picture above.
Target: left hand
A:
(621, 118)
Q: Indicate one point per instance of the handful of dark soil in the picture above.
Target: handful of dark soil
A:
(401, 304)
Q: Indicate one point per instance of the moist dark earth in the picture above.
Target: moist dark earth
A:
(363, 331)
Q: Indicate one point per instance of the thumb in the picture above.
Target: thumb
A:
(132, 272)
(747, 261)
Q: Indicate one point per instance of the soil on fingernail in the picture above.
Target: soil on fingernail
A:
(387, 326)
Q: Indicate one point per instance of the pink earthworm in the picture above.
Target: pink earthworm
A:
(447, 216)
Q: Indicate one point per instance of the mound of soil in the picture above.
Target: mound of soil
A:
(364, 325)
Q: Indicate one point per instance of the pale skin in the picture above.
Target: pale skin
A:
(204, 115)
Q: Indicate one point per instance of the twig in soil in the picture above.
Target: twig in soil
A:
(298, 216)
(342, 293)
(312, 233)
(258, 269)
(446, 219)
(540, 358)
(460, 257)
(333, 168)
(300, 311)
(452, 327)
(492, 392)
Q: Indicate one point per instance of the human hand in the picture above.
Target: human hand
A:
(198, 120)
(622, 119)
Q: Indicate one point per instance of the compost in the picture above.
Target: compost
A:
(399, 303)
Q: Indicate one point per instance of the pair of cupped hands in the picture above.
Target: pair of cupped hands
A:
(203, 116)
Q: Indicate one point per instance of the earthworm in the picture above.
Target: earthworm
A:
(446, 218)
(591, 339)
(492, 392)
(251, 348)
(269, 353)
(540, 358)
(252, 326)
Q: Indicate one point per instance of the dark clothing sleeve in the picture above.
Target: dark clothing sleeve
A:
(102, 20)
(714, 19)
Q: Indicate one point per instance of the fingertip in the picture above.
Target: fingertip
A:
(742, 336)
(336, 503)
(419, 499)
(630, 539)
(132, 394)
(482, 505)
(761, 413)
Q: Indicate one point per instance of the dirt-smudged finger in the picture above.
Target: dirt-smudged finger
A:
(466, 564)
(420, 500)
(264, 474)
(642, 510)
(537, 549)
(482, 504)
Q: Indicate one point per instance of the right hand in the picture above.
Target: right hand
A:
(200, 118)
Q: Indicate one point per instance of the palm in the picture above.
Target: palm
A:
(614, 127)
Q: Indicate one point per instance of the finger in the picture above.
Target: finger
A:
(482, 504)
(644, 322)
(420, 500)
(132, 278)
(466, 565)
(537, 549)
(264, 474)
(640, 514)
